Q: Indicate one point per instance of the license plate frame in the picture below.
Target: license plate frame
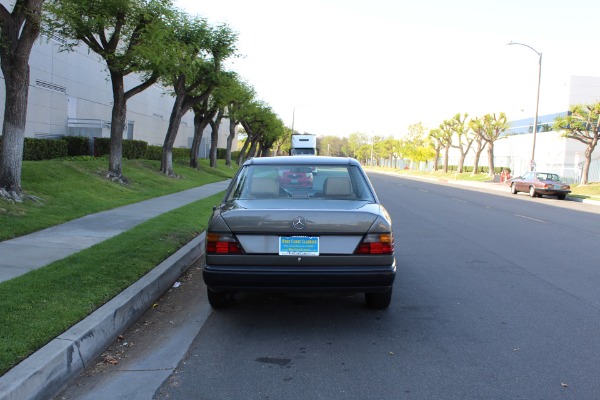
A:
(298, 245)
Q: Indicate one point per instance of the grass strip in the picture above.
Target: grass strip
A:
(42, 304)
(71, 189)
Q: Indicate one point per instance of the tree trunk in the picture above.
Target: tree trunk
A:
(461, 162)
(251, 150)
(247, 143)
(119, 116)
(201, 121)
(119, 113)
(446, 151)
(166, 161)
(18, 33)
(437, 158)
(214, 138)
(490, 152)
(195, 150)
(588, 160)
(183, 102)
(264, 151)
(476, 160)
(16, 78)
(242, 154)
(232, 125)
(253, 146)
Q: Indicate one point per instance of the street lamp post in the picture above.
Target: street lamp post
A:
(537, 102)
(293, 118)
(294, 115)
(372, 145)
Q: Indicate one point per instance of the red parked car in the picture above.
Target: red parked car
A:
(296, 177)
(538, 184)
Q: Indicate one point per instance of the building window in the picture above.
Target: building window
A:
(50, 86)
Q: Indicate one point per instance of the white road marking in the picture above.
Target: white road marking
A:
(533, 219)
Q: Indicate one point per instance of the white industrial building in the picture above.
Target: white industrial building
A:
(553, 153)
(70, 94)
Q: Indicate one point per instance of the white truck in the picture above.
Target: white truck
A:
(303, 145)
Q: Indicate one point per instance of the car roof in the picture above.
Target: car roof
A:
(302, 160)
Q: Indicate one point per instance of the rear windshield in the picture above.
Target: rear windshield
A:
(547, 177)
(335, 182)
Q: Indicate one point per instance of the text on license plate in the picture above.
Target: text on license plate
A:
(298, 245)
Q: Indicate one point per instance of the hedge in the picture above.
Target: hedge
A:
(222, 153)
(44, 149)
(132, 149)
(101, 147)
(77, 146)
(155, 153)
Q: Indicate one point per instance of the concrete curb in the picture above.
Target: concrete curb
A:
(48, 370)
(584, 201)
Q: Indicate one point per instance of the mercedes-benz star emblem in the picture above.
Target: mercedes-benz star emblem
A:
(299, 223)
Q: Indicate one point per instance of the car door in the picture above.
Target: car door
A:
(524, 182)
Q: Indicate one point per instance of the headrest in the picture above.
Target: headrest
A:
(337, 186)
(264, 187)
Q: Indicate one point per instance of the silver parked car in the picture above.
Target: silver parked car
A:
(307, 224)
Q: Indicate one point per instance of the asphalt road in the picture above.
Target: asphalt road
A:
(496, 298)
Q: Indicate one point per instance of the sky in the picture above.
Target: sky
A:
(335, 67)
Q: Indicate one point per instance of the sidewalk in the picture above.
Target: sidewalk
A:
(25, 253)
(45, 372)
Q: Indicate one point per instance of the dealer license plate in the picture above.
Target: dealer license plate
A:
(298, 245)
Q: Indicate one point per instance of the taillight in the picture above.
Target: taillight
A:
(376, 243)
(221, 243)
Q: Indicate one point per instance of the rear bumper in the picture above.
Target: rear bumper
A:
(552, 192)
(312, 279)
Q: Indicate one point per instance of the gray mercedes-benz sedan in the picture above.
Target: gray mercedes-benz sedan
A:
(307, 224)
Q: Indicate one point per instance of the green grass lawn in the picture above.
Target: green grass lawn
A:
(73, 189)
(40, 305)
(590, 191)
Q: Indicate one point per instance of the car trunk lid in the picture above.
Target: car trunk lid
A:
(345, 217)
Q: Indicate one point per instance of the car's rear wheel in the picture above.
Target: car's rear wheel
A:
(218, 300)
(513, 188)
(378, 300)
(532, 192)
(561, 196)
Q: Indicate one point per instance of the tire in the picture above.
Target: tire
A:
(532, 192)
(218, 300)
(513, 188)
(561, 196)
(378, 300)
